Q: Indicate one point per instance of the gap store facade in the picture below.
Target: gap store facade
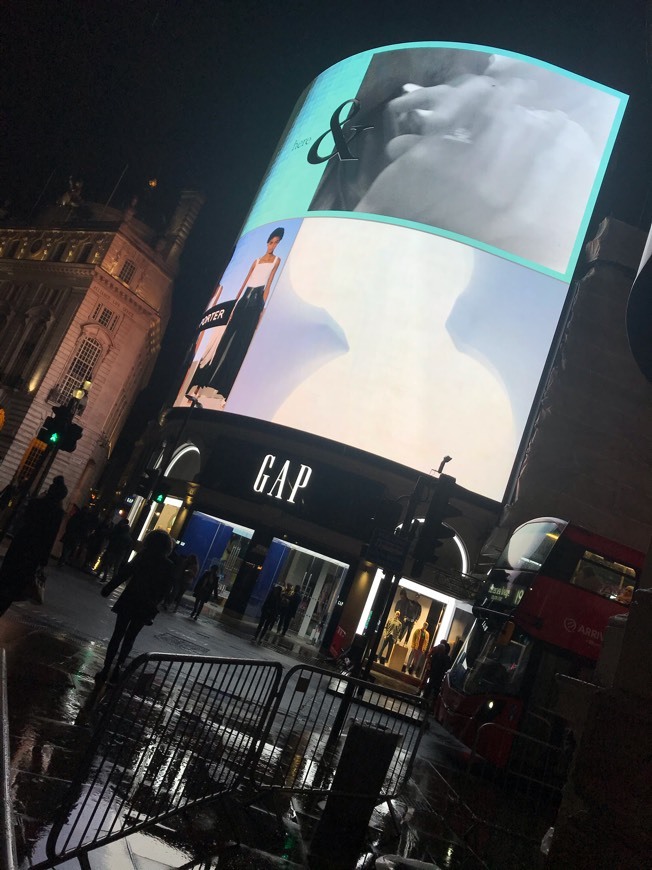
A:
(392, 299)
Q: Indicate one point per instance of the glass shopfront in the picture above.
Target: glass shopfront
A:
(419, 618)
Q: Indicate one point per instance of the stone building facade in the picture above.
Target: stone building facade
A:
(588, 456)
(85, 295)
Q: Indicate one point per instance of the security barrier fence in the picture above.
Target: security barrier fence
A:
(182, 731)
(312, 715)
(7, 837)
(178, 732)
(481, 817)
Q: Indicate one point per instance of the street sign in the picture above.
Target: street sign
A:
(388, 551)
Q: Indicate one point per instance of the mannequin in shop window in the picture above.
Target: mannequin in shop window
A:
(402, 606)
(413, 615)
(418, 649)
(390, 636)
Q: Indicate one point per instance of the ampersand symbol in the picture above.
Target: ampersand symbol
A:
(337, 132)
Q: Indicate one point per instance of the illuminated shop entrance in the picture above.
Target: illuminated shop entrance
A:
(318, 578)
(419, 619)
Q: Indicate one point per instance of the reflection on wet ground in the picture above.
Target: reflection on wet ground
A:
(445, 816)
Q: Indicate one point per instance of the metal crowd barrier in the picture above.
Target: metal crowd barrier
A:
(311, 719)
(478, 816)
(179, 731)
(7, 831)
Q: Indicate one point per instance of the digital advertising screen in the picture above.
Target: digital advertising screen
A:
(400, 276)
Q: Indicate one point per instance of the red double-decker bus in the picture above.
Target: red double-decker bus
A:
(542, 611)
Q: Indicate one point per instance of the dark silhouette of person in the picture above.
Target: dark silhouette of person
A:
(288, 610)
(185, 570)
(206, 586)
(74, 536)
(97, 540)
(118, 547)
(269, 614)
(148, 577)
(437, 663)
(32, 543)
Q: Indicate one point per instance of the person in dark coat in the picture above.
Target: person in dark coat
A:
(32, 543)
(96, 542)
(207, 585)
(74, 536)
(437, 663)
(288, 610)
(269, 614)
(118, 547)
(148, 577)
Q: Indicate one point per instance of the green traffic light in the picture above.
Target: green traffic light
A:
(159, 498)
(54, 437)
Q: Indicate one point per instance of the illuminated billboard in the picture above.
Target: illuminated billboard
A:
(401, 274)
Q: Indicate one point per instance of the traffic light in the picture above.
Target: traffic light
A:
(48, 433)
(69, 438)
(433, 532)
(161, 490)
(146, 482)
(55, 428)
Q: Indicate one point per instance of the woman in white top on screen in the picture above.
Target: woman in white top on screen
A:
(250, 302)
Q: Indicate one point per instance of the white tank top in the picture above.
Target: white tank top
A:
(261, 272)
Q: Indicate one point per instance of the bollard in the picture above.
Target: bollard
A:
(358, 782)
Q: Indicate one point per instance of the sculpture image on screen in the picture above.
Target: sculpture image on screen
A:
(400, 277)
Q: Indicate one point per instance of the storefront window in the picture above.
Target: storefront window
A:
(419, 618)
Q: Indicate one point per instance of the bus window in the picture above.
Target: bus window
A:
(485, 665)
(607, 579)
(529, 546)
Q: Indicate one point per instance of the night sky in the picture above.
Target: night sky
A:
(197, 94)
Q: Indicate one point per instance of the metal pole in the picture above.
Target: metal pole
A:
(390, 582)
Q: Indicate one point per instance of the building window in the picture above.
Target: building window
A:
(81, 368)
(58, 252)
(105, 317)
(30, 461)
(127, 271)
(85, 253)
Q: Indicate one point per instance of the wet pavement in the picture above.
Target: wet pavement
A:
(54, 651)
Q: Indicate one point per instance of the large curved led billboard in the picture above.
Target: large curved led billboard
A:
(401, 274)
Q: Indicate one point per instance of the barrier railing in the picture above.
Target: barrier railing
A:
(182, 731)
(7, 830)
(310, 720)
(179, 731)
(477, 815)
(531, 781)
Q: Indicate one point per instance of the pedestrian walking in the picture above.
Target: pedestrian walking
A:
(148, 577)
(118, 547)
(184, 575)
(437, 663)
(269, 614)
(288, 609)
(32, 543)
(207, 585)
(97, 540)
(74, 536)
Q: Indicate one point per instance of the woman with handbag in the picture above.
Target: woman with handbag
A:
(148, 577)
(30, 548)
